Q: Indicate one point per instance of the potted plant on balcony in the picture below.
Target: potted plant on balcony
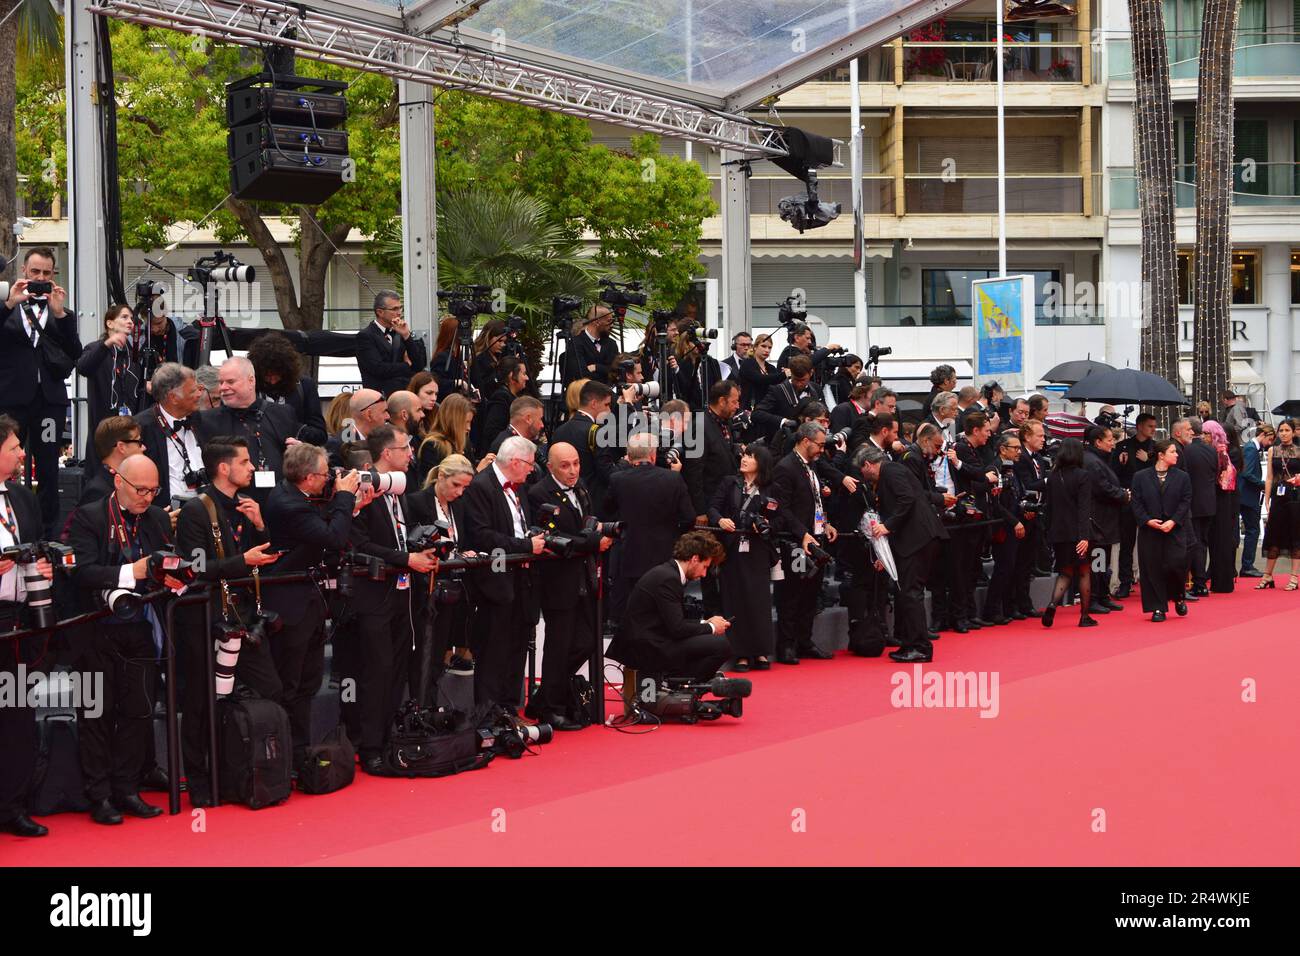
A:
(927, 62)
(1062, 70)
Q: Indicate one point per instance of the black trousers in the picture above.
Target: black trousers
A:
(255, 670)
(1128, 535)
(941, 594)
(385, 632)
(1200, 553)
(865, 595)
(37, 421)
(299, 655)
(570, 637)
(965, 551)
(699, 657)
(909, 617)
(114, 743)
(711, 593)
(1023, 575)
(1101, 573)
(999, 598)
(796, 606)
(17, 729)
(500, 636)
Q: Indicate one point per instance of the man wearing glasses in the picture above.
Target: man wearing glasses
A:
(1005, 503)
(116, 438)
(387, 353)
(113, 539)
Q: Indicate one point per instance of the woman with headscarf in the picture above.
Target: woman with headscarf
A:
(1224, 535)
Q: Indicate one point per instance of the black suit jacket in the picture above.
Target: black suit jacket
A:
(382, 371)
(690, 388)
(489, 526)
(561, 583)
(304, 402)
(194, 533)
(780, 403)
(1069, 505)
(1108, 498)
(717, 461)
(155, 441)
(654, 620)
(496, 413)
(1201, 463)
(906, 510)
(597, 462)
(266, 426)
(372, 534)
(1031, 471)
(791, 487)
(754, 383)
(113, 381)
(582, 351)
(308, 529)
(846, 415)
(656, 507)
(970, 477)
(99, 555)
(20, 363)
(1173, 501)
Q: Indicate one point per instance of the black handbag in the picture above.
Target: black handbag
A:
(330, 765)
(581, 695)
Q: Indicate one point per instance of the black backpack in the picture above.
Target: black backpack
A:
(425, 743)
(256, 752)
(56, 783)
(330, 765)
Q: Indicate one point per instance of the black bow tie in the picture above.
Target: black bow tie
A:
(180, 423)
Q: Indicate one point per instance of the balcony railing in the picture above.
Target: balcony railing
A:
(1254, 184)
(839, 315)
(1259, 53)
(951, 62)
(765, 193)
(1026, 194)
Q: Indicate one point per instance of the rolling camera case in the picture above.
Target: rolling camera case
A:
(256, 752)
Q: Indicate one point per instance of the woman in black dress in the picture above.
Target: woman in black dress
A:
(112, 374)
(745, 578)
(756, 375)
(1069, 526)
(1225, 530)
(447, 366)
(842, 382)
(1282, 505)
(1162, 506)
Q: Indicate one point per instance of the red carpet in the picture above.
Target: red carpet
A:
(1143, 722)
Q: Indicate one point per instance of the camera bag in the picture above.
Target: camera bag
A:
(424, 744)
(256, 751)
(581, 694)
(330, 765)
(56, 782)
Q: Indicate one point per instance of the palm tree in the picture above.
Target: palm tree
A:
(1211, 335)
(29, 30)
(504, 240)
(1154, 135)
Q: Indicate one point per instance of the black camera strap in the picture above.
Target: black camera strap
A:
(173, 435)
(227, 604)
(8, 519)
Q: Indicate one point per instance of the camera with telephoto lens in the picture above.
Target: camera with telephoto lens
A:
(504, 733)
(836, 358)
(562, 309)
(680, 700)
(40, 594)
(559, 543)
(875, 352)
(742, 420)
(384, 483)
(757, 514)
(701, 338)
(1032, 503)
(622, 293)
(840, 439)
(644, 390)
(221, 266)
(602, 529)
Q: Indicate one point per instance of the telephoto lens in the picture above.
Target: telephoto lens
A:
(40, 596)
(228, 645)
(124, 604)
(537, 733)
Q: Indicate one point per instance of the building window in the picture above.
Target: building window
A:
(1245, 278)
(945, 293)
(1295, 265)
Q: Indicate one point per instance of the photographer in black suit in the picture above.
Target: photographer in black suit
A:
(387, 608)
(973, 479)
(1031, 472)
(113, 540)
(914, 531)
(168, 432)
(1201, 463)
(306, 524)
(656, 637)
(717, 458)
(583, 432)
(20, 523)
(388, 354)
(798, 488)
(591, 352)
(781, 402)
(497, 522)
(39, 347)
(1008, 538)
(566, 589)
(655, 507)
(1108, 500)
(244, 546)
(268, 428)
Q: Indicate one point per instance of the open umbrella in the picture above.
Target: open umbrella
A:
(1068, 373)
(1126, 385)
(1289, 409)
(909, 406)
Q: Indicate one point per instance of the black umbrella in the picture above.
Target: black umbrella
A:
(909, 405)
(1068, 373)
(1126, 385)
(1288, 409)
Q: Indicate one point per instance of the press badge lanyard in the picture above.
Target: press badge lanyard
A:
(172, 434)
(404, 578)
(9, 520)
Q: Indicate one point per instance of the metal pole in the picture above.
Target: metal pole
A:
(1002, 154)
(210, 677)
(859, 260)
(173, 728)
(596, 666)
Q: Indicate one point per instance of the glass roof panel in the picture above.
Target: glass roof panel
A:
(714, 45)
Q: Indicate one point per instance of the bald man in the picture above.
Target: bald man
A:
(405, 412)
(368, 411)
(113, 538)
(566, 589)
(268, 427)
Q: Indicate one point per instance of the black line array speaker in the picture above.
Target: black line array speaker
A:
(285, 140)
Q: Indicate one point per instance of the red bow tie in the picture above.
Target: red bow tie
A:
(511, 486)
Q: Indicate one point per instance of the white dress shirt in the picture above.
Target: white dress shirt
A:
(175, 460)
(516, 509)
(11, 585)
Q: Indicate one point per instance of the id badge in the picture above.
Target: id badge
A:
(1281, 491)
(820, 517)
(124, 411)
(743, 547)
(403, 581)
(264, 479)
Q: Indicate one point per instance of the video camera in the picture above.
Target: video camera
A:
(40, 594)
(562, 307)
(680, 700)
(790, 313)
(621, 294)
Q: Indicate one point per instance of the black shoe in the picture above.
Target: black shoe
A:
(531, 710)
(1031, 612)
(1190, 598)
(156, 780)
(891, 642)
(787, 657)
(760, 665)
(1049, 615)
(373, 765)
(1002, 621)
(24, 826)
(1017, 616)
(981, 622)
(101, 811)
(972, 624)
(932, 635)
(1114, 605)
(1251, 573)
(133, 806)
(1199, 592)
(1124, 591)
(816, 653)
(558, 722)
(961, 628)
(1180, 608)
(911, 656)
(1095, 608)
(1157, 617)
(1086, 621)
(740, 668)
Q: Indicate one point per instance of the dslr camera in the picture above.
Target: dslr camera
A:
(40, 593)
(757, 514)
